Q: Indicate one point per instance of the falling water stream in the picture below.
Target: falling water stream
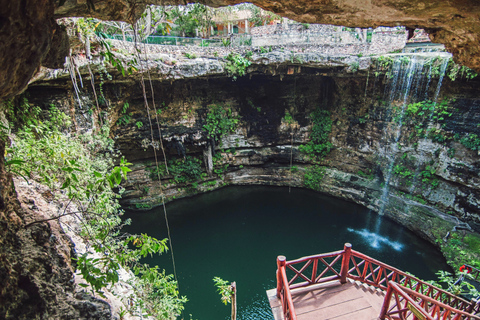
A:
(236, 233)
(406, 86)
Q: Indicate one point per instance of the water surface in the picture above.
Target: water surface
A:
(237, 232)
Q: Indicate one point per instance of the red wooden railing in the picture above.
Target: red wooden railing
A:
(379, 274)
(403, 303)
(474, 272)
(347, 263)
(283, 290)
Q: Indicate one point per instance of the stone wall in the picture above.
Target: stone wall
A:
(382, 40)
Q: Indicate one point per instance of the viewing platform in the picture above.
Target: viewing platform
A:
(347, 284)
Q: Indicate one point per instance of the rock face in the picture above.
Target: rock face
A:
(27, 29)
(36, 268)
(432, 185)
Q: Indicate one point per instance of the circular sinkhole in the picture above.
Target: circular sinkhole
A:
(237, 232)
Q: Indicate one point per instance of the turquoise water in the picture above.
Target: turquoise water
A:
(236, 233)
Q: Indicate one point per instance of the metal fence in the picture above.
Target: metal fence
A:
(170, 40)
(276, 38)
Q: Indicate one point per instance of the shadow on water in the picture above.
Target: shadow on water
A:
(236, 233)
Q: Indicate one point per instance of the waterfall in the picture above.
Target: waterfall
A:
(409, 83)
(406, 77)
(443, 69)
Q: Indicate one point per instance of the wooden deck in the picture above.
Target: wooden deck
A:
(332, 300)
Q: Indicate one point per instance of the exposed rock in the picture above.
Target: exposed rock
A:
(36, 269)
(27, 34)
(357, 166)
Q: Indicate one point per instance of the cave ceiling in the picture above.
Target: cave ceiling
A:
(30, 37)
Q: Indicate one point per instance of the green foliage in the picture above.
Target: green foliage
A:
(124, 119)
(473, 242)
(190, 55)
(368, 174)
(471, 141)
(313, 177)
(139, 124)
(82, 166)
(226, 42)
(260, 17)
(182, 170)
(224, 289)
(354, 66)
(455, 71)
(402, 171)
(143, 206)
(384, 63)
(236, 65)
(428, 176)
(157, 293)
(191, 17)
(319, 146)
(451, 152)
(20, 112)
(462, 249)
(420, 114)
(220, 120)
(462, 288)
(288, 119)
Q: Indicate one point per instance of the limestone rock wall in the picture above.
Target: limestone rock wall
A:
(36, 266)
(261, 149)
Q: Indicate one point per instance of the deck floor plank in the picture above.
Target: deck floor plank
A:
(336, 302)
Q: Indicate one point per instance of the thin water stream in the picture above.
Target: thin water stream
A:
(236, 233)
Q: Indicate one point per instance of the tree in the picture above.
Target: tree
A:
(190, 18)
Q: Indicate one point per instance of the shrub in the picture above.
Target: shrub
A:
(236, 65)
(319, 146)
(220, 121)
(313, 177)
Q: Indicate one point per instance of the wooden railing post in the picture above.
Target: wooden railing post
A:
(345, 262)
(281, 262)
(471, 306)
(233, 286)
(386, 302)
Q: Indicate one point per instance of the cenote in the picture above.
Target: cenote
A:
(237, 232)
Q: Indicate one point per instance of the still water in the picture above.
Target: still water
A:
(236, 233)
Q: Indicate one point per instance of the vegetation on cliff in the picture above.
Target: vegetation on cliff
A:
(80, 168)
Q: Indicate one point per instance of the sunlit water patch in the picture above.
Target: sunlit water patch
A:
(377, 241)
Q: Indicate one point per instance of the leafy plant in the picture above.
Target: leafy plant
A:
(82, 167)
(190, 55)
(236, 65)
(319, 146)
(354, 66)
(182, 170)
(457, 288)
(313, 177)
(125, 117)
(471, 141)
(220, 120)
(226, 42)
(288, 119)
(224, 288)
